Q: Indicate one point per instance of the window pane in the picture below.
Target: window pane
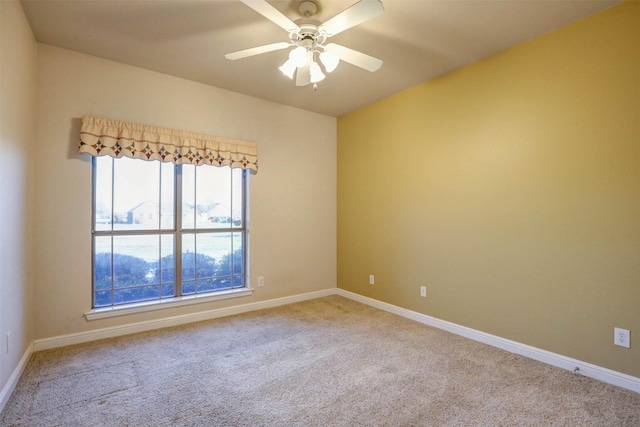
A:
(211, 259)
(188, 287)
(103, 195)
(167, 262)
(216, 284)
(188, 196)
(102, 269)
(232, 260)
(136, 194)
(167, 196)
(188, 256)
(213, 197)
(238, 281)
(205, 285)
(129, 295)
(102, 299)
(207, 197)
(238, 253)
(168, 290)
(237, 187)
(211, 248)
(135, 261)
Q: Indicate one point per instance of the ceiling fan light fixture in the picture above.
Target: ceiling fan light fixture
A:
(329, 60)
(310, 57)
(288, 68)
(298, 56)
(316, 73)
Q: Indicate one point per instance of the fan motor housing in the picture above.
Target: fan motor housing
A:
(309, 33)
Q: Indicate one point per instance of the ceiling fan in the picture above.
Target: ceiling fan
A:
(308, 37)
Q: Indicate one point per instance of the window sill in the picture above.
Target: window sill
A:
(142, 307)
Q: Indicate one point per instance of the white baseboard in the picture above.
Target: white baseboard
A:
(8, 388)
(115, 331)
(587, 369)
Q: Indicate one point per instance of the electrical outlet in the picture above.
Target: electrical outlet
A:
(260, 281)
(372, 279)
(423, 291)
(622, 337)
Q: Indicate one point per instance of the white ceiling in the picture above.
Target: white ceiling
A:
(417, 39)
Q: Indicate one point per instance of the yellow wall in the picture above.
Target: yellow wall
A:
(511, 189)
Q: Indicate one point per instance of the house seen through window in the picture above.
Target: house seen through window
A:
(162, 230)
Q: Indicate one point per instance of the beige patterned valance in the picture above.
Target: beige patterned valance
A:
(104, 137)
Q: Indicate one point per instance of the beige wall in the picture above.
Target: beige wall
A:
(292, 198)
(511, 189)
(17, 111)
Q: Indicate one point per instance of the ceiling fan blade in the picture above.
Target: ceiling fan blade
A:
(354, 57)
(272, 14)
(257, 50)
(303, 75)
(354, 15)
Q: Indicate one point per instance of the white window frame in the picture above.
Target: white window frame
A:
(177, 231)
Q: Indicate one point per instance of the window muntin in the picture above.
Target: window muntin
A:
(142, 219)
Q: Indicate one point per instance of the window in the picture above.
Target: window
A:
(162, 230)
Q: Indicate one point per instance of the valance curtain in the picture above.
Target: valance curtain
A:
(104, 137)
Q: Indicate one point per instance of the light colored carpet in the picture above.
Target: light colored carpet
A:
(326, 362)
